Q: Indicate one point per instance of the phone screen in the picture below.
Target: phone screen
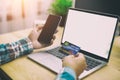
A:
(49, 29)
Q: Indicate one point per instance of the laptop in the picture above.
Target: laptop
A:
(92, 31)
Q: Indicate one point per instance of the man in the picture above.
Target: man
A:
(72, 66)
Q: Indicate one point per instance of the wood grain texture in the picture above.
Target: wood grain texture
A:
(24, 69)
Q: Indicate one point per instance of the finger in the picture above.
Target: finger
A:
(54, 37)
(80, 56)
(51, 42)
(39, 30)
(76, 55)
(39, 27)
(68, 57)
(56, 31)
(34, 29)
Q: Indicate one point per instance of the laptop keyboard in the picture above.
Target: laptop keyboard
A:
(56, 53)
(91, 63)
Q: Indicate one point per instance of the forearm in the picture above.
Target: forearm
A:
(10, 51)
(66, 74)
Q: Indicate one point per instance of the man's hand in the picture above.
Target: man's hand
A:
(78, 64)
(33, 36)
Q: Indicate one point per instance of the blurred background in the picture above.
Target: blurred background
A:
(21, 14)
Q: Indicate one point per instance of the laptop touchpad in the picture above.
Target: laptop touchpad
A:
(47, 60)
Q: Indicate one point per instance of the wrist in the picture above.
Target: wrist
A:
(70, 71)
(37, 45)
(33, 43)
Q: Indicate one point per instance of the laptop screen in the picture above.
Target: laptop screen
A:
(90, 31)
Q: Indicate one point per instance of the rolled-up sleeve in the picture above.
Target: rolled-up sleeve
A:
(66, 74)
(10, 51)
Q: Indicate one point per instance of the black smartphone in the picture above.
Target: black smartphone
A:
(49, 29)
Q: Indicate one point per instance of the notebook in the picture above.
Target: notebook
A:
(92, 31)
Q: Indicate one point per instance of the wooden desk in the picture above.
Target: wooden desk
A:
(25, 69)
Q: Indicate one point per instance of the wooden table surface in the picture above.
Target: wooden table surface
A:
(24, 69)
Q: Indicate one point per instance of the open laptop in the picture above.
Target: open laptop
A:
(92, 31)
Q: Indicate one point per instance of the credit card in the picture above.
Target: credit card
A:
(69, 48)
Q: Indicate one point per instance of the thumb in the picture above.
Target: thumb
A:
(34, 29)
(39, 28)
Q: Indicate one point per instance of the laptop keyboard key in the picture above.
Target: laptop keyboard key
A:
(91, 63)
(56, 53)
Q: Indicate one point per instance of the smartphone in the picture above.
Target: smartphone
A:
(49, 29)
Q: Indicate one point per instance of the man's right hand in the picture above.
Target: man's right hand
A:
(77, 63)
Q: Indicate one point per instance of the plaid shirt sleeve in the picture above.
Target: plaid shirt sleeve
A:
(10, 51)
(66, 74)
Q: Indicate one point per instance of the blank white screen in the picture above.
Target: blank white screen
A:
(91, 32)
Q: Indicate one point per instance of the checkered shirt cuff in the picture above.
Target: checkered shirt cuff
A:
(10, 51)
